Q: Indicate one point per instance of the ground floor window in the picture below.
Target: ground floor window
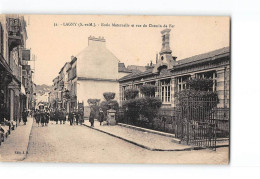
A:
(165, 90)
(209, 75)
(182, 82)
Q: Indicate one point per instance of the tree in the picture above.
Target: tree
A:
(131, 93)
(109, 102)
(94, 103)
(147, 106)
(150, 104)
(198, 99)
(148, 90)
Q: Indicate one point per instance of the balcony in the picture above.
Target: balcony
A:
(14, 27)
(14, 32)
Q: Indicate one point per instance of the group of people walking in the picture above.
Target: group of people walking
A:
(43, 116)
(76, 117)
(92, 116)
(58, 115)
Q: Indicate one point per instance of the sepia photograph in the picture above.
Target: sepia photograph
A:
(115, 89)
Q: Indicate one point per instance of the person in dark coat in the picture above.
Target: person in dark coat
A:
(91, 117)
(81, 117)
(60, 114)
(42, 117)
(70, 118)
(51, 115)
(47, 118)
(56, 116)
(77, 117)
(64, 116)
(24, 116)
(37, 117)
(101, 116)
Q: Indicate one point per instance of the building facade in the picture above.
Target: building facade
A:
(170, 75)
(88, 75)
(15, 74)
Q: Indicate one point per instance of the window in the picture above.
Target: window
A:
(165, 91)
(137, 86)
(182, 82)
(209, 75)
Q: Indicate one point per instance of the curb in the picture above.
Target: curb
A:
(143, 146)
(26, 153)
(178, 141)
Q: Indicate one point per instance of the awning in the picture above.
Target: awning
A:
(26, 54)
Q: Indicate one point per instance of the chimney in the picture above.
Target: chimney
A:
(93, 41)
(149, 65)
(72, 57)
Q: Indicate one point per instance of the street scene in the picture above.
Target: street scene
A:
(115, 89)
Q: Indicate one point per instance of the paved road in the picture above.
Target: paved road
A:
(64, 143)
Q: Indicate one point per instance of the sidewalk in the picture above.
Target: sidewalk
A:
(15, 146)
(147, 140)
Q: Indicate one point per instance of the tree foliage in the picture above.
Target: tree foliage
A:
(147, 107)
(198, 88)
(198, 99)
(93, 102)
(109, 95)
(200, 84)
(131, 93)
(148, 90)
(109, 102)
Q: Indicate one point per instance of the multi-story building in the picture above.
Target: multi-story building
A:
(170, 75)
(53, 95)
(13, 37)
(88, 75)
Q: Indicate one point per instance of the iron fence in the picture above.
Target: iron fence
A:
(196, 122)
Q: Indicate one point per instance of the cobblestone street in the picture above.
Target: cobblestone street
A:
(65, 143)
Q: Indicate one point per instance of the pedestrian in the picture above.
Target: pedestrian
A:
(51, 115)
(70, 118)
(60, 114)
(64, 116)
(24, 116)
(37, 117)
(81, 117)
(47, 118)
(101, 116)
(92, 116)
(56, 116)
(76, 115)
(42, 117)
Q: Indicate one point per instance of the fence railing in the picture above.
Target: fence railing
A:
(167, 120)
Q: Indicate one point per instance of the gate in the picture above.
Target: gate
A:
(196, 124)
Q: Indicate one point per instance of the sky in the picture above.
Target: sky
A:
(137, 45)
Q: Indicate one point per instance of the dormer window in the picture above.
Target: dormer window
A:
(162, 58)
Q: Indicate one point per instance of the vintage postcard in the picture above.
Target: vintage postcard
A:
(115, 89)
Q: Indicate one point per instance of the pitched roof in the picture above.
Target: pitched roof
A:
(136, 68)
(203, 56)
(138, 74)
(122, 68)
(183, 62)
